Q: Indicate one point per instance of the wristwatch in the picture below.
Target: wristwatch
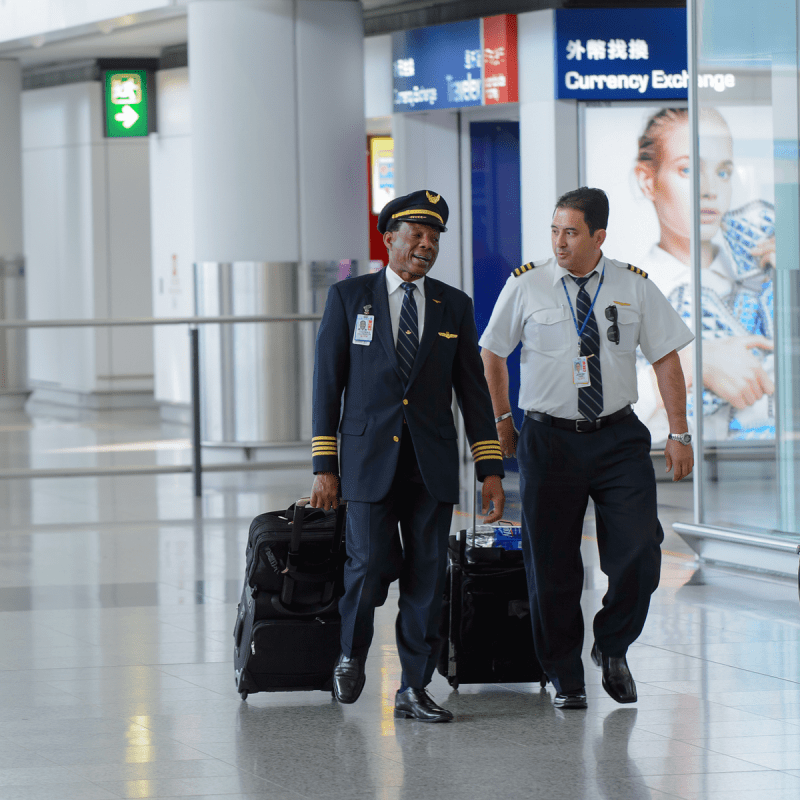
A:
(683, 438)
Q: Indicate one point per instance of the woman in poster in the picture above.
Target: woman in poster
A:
(737, 256)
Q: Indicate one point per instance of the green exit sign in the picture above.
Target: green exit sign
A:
(127, 103)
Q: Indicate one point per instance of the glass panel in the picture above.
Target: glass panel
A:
(747, 198)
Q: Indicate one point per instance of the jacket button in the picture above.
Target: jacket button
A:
(405, 402)
(396, 438)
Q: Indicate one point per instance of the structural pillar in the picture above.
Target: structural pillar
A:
(13, 350)
(280, 194)
(548, 134)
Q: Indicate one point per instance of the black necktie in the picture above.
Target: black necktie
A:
(590, 398)
(408, 332)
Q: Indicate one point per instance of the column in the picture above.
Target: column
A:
(548, 134)
(13, 352)
(279, 184)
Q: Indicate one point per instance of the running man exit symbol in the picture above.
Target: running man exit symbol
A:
(126, 103)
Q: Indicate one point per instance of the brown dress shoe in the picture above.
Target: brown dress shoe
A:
(617, 678)
(348, 678)
(418, 704)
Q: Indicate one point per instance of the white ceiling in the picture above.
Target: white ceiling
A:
(141, 38)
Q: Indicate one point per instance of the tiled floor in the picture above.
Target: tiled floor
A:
(117, 600)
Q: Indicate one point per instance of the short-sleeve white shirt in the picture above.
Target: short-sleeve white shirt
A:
(533, 308)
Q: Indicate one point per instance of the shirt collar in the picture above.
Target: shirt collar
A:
(560, 272)
(394, 282)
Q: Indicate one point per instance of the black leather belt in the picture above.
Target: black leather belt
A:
(580, 425)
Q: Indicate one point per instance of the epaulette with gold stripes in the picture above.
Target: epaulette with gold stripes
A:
(524, 268)
(487, 449)
(637, 270)
(323, 446)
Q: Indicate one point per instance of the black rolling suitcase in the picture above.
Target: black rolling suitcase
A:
(486, 623)
(286, 636)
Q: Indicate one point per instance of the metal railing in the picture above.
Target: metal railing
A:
(196, 467)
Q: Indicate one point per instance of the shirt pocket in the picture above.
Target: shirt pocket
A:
(628, 322)
(547, 330)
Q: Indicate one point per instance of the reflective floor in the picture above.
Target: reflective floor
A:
(117, 603)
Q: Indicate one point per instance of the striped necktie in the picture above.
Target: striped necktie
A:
(408, 332)
(590, 398)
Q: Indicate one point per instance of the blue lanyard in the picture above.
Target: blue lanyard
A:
(589, 313)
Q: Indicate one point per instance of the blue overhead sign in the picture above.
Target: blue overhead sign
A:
(621, 54)
(438, 67)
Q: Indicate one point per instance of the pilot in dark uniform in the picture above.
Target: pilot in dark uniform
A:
(386, 387)
(580, 317)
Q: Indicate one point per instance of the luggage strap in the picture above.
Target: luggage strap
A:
(292, 573)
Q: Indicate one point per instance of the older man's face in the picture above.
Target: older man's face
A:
(412, 249)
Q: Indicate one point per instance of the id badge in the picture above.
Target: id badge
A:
(580, 371)
(363, 330)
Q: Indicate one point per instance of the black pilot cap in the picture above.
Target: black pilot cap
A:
(424, 207)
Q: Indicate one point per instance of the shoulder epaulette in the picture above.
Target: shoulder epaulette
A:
(524, 268)
(637, 270)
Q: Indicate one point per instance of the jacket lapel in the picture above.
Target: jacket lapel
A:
(383, 319)
(434, 309)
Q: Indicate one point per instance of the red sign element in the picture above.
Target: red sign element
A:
(500, 59)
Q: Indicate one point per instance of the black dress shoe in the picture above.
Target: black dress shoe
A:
(617, 678)
(573, 699)
(348, 678)
(418, 704)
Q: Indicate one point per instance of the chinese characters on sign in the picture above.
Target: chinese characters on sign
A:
(457, 65)
(600, 49)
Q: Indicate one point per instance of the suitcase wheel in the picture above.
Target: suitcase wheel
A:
(543, 681)
(243, 695)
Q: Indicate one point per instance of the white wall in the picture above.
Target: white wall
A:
(172, 233)
(378, 76)
(548, 133)
(330, 132)
(87, 242)
(426, 156)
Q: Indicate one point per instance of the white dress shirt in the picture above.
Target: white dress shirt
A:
(394, 285)
(534, 309)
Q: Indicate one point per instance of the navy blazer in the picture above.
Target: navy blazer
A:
(370, 420)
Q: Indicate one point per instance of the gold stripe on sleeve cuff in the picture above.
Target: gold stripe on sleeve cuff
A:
(485, 442)
(323, 438)
(488, 458)
(488, 451)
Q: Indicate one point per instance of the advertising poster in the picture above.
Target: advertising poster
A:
(639, 154)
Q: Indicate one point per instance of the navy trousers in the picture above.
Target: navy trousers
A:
(377, 555)
(559, 471)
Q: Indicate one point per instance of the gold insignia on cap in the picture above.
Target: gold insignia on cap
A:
(411, 211)
(433, 198)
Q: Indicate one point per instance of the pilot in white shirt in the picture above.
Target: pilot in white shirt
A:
(580, 318)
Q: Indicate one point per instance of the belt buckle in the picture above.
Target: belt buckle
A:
(590, 425)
